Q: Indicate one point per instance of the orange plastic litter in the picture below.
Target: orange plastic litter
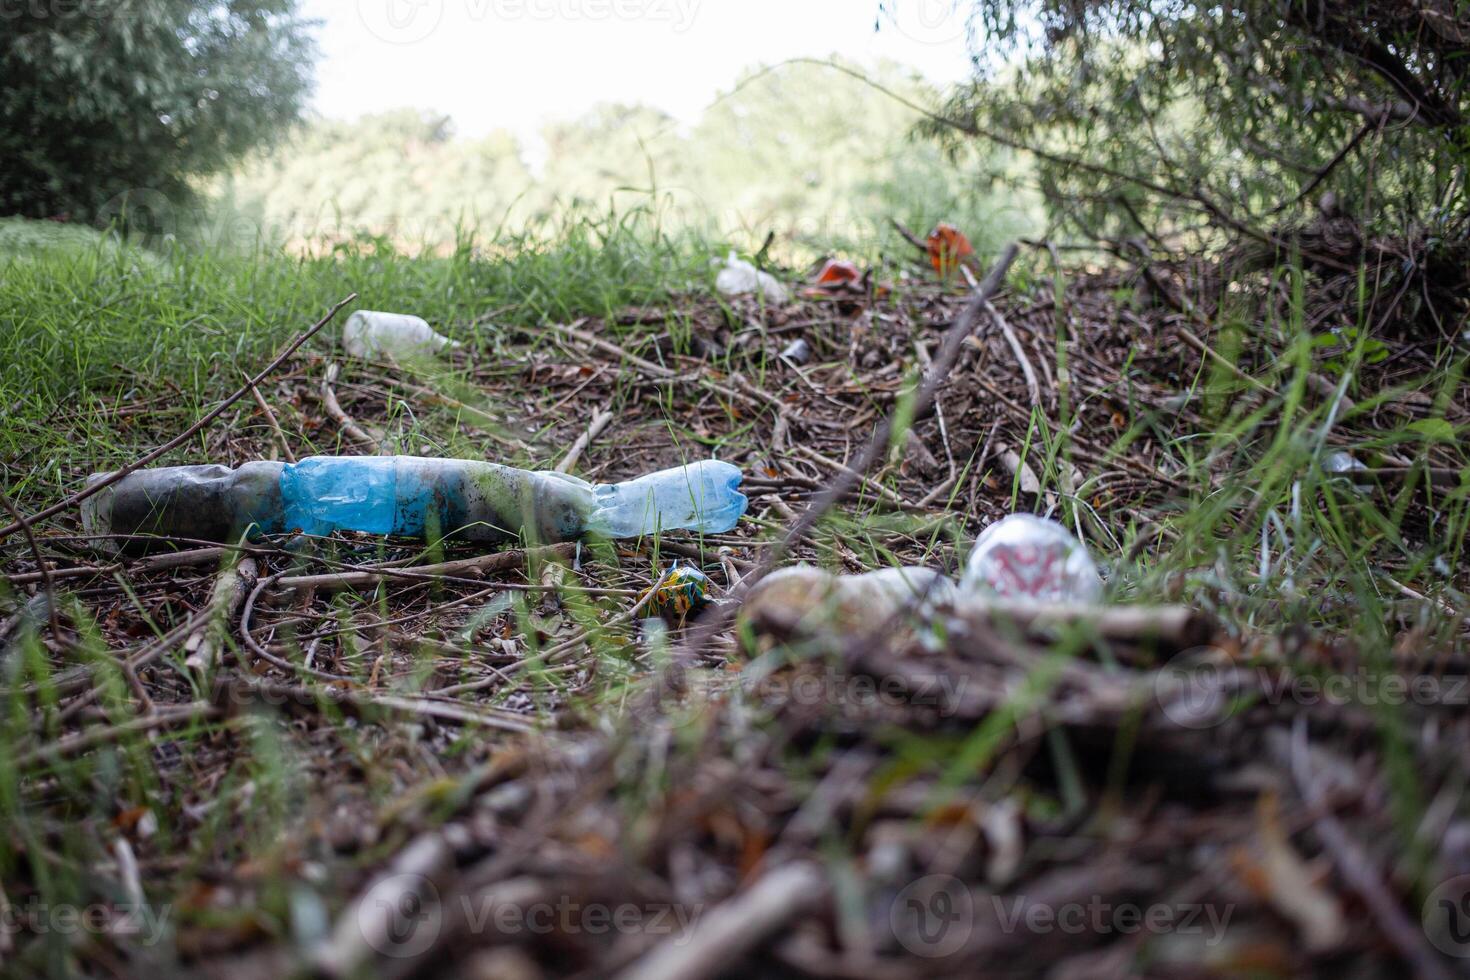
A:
(948, 248)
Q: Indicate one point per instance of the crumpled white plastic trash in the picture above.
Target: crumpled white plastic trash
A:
(1343, 466)
(740, 278)
(368, 334)
(1341, 463)
(798, 351)
(1031, 558)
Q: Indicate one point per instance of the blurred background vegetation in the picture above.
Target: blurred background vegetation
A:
(1243, 135)
(186, 120)
(810, 153)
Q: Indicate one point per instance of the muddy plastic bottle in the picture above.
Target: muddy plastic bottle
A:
(208, 503)
(411, 496)
(804, 598)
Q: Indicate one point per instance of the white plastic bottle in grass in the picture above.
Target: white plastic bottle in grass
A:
(740, 278)
(1031, 558)
(368, 333)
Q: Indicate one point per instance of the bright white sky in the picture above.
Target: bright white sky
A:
(515, 64)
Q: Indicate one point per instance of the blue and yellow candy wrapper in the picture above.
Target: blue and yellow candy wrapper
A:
(684, 591)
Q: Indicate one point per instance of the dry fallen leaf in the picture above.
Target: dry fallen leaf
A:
(1013, 463)
(1275, 871)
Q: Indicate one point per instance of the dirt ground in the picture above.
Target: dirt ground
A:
(499, 770)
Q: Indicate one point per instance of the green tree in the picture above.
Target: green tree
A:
(99, 98)
(1336, 130)
(821, 150)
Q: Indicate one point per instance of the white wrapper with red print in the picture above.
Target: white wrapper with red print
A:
(1027, 557)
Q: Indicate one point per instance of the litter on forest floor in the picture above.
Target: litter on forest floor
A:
(882, 606)
(371, 334)
(498, 725)
(948, 249)
(837, 272)
(844, 281)
(1020, 557)
(798, 352)
(1341, 462)
(684, 590)
(413, 497)
(740, 278)
(1027, 557)
(806, 598)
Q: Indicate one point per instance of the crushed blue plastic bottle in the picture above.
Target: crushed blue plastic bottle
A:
(396, 495)
(322, 494)
(415, 496)
(411, 496)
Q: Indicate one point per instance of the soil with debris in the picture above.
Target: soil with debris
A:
(496, 770)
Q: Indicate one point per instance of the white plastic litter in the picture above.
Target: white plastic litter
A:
(1341, 466)
(740, 278)
(1340, 463)
(700, 496)
(798, 351)
(1027, 557)
(369, 334)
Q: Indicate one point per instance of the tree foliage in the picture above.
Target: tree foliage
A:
(1177, 122)
(104, 98)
